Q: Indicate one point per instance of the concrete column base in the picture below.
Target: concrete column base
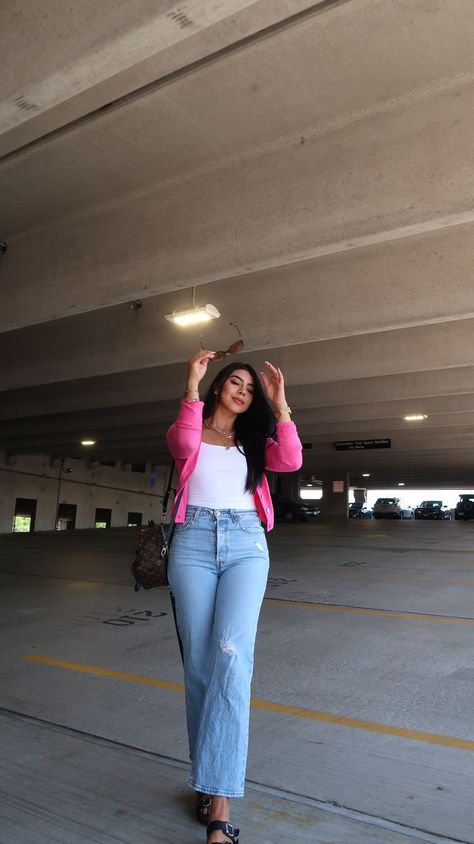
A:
(334, 503)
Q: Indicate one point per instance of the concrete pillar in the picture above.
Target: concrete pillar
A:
(287, 486)
(335, 495)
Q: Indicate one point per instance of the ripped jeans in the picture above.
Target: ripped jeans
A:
(217, 570)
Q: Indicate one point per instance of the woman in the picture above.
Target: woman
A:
(218, 563)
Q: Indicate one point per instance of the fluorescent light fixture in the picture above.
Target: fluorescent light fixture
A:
(191, 316)
(401, 484)
(415, 417)
(366, 474)
(88, 442)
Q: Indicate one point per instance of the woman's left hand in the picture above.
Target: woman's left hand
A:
(274, 384)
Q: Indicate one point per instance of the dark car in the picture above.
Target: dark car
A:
(295, 511)
(432, 510)
(360, 511)
(465, 506)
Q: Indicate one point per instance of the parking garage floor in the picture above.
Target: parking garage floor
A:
(362, 725)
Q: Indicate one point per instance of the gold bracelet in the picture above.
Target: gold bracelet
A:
(187, 392)
(285, 410)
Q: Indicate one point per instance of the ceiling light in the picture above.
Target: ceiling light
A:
(415, 417)
(401, 484)
(88, 442)
(366, 474)
(202, 313)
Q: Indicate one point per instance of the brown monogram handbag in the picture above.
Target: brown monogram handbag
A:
(151, 560)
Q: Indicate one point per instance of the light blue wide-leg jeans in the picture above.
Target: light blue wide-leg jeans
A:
(218, 570)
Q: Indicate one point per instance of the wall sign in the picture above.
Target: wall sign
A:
(338, 486)
(353, 445)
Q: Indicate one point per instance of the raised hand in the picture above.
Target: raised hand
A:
(197, 367)
(274, 385)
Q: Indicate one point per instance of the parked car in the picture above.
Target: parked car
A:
(359, 511)
(295, 511)
(465, 506)
(392, 508)
(432, 510)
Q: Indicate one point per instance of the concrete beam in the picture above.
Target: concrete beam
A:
(139, 432)
(316, 425)
(152, 413)
(340, 396)
(372, 182)
(41, 358)
(75, 60)
(156, 413)
(116, 448)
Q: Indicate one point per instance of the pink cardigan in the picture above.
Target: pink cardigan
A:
(184, 442)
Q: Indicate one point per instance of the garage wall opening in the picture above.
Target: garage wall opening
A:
(103, 518)
(66, 517)
(25, 515)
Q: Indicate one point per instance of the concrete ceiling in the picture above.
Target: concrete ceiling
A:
(308, 167)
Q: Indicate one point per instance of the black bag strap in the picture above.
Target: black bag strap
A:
(168, 491)
(169, 537)
(169, 532)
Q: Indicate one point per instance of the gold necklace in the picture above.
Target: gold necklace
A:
(222, 434)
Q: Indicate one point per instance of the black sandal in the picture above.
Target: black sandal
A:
(202, 808)
(226, 828)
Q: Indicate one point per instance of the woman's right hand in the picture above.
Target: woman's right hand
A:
(197, 367)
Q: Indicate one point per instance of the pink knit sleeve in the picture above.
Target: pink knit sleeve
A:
(184, 435)
(286, 454)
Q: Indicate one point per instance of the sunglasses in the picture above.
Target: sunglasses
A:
(232, 350)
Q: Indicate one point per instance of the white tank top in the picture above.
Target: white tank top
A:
(218, 481)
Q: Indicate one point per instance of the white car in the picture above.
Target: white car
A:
(392, 508)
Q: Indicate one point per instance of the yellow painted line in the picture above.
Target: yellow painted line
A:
(106, 672)
(368, 726)
(266, 705)
(411, 616)
(403, 577)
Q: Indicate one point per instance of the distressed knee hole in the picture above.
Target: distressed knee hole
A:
(227, 647)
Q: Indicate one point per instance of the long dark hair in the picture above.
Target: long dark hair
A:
(252, 427)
